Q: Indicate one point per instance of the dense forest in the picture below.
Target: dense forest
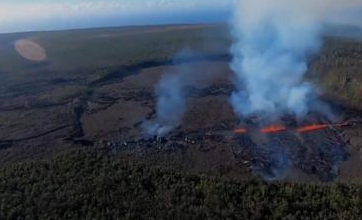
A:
(92, 184)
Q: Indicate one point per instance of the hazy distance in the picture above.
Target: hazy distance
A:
(21, 15)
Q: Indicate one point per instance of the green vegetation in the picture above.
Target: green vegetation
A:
(88, 184)
(338, 70)
(86, 56)
(82, 57)
(90, 49)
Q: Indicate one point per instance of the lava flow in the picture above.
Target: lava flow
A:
(240, 131)
(310, 128)
(266, 130)
(304, 129)
(273, 129)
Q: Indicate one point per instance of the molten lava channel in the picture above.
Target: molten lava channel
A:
(273, 129)
(279, 128)
(240, 131)
(309, 128)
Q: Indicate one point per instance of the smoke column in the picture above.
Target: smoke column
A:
(272, 41)
(171, 95)
(170, 106)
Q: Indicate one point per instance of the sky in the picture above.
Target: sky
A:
(32, 15)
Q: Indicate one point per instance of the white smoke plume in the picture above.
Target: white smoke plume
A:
(272, 42)
(171, 95)
(170, 107)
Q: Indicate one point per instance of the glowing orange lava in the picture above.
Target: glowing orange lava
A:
(240, 131)
(310, 128)
(273, 129)
(279, 128)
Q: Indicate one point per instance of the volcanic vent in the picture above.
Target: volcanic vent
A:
(314, 145)
(279, 122)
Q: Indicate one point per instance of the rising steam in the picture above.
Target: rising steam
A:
(272, 41)
(170, 105)
(171, 95)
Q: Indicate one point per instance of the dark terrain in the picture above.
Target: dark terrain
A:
(95, 88)
(72, 146)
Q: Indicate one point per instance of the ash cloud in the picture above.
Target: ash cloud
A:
(272, 42)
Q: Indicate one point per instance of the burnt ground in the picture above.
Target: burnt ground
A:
(108, 115)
